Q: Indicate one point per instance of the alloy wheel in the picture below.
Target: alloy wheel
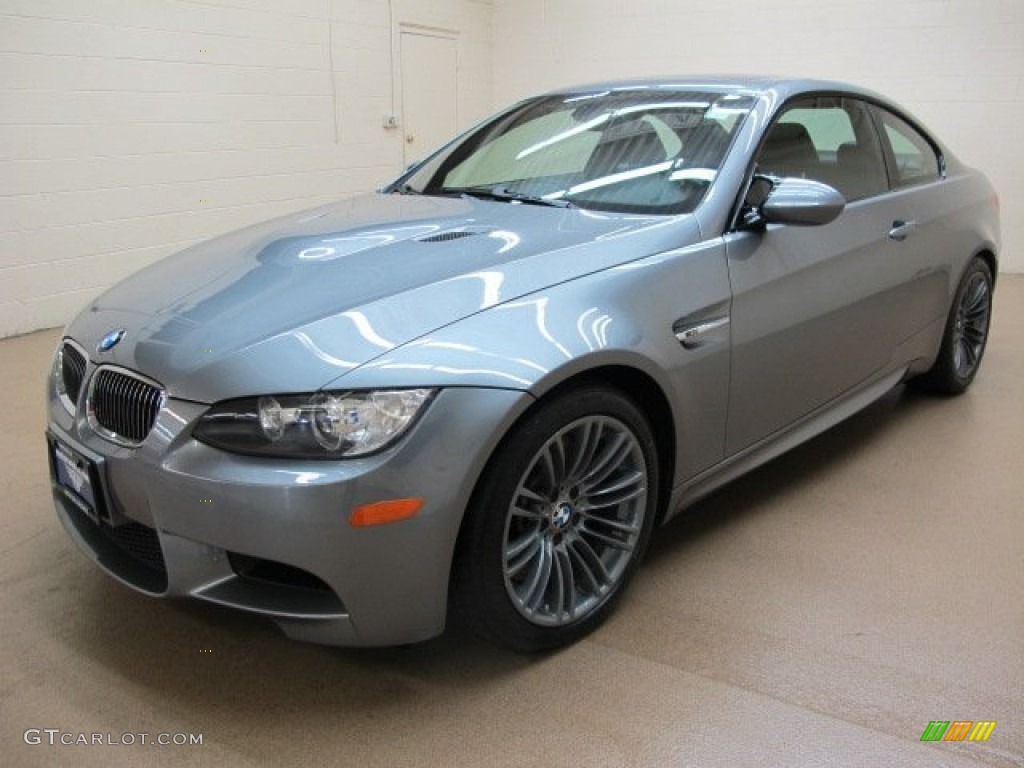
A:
(971, 328)
(575, 521)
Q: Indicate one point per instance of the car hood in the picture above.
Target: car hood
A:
(294, 304)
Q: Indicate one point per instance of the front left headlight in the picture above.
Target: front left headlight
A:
(321, 425)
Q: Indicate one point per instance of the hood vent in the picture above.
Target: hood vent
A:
(446, 237)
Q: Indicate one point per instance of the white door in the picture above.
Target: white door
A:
(429, 92)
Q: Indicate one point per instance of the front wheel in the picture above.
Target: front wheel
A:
(966, 333)
(560, 519)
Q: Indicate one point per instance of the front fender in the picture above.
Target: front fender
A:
(623, 316)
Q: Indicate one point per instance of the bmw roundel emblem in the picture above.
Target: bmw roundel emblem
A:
(111, 340)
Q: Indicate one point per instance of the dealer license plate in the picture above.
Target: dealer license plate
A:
(76, 476)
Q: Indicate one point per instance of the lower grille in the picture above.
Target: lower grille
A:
(122, 405)
(139, 541)
(131, 551)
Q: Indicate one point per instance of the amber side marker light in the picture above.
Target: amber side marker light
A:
(383, 512)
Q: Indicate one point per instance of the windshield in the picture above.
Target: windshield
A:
(632, 151)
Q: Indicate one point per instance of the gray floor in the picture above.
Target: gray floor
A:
(818, 612)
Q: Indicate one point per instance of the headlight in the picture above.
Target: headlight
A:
(323, 425)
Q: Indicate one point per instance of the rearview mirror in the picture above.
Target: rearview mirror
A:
(802, 203)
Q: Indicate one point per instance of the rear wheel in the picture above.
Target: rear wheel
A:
(963, 342)
(559, 522)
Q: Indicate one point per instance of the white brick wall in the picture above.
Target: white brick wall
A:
(131, 128)
(957, 64)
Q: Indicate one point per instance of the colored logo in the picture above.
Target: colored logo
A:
(958, 730)
(111, 340)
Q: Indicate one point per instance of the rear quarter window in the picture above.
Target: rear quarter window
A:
(913, 155)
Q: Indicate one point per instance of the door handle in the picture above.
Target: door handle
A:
(901, 230)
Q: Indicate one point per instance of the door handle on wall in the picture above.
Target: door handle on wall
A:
(901, 230)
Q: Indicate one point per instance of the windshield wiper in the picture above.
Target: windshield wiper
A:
(501, 192)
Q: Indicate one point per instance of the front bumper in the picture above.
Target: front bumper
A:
(181, 519)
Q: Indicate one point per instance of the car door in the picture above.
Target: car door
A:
(924, 209)
(814, 313)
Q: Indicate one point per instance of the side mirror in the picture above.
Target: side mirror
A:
(802, 203)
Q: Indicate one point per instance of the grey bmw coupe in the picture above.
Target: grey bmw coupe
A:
(476, 392)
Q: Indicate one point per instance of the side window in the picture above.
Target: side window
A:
(830, 139)
(828, 126)
(915, 157)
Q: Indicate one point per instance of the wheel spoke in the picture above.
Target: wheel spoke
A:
(519, 555)
(558, 460)
(977, 313)
(529, 514)
(565, 582)
(977, 300)
(624, 480)
(548, 464)
(539, 582)
(532, 495)
(970, 354)
(629, 487)
(607, 539)
(974, 334)
(617, 500)
(595, 566)
(582, 568)
(609, 460)
(617, 525)
(586, 446)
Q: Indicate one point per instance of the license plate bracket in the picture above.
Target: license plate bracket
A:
(77, 477)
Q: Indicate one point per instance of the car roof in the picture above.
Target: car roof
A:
(780, 87)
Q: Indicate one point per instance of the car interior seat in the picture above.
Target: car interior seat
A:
(789, 151)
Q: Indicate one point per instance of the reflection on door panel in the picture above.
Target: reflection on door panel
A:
(812, 317)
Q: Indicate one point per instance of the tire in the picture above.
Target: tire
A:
(559, 521)
(966, 333)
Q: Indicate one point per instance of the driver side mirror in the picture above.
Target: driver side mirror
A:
(801, 203)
